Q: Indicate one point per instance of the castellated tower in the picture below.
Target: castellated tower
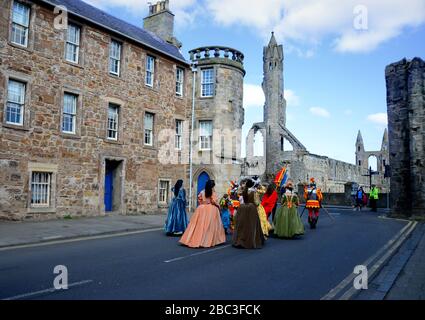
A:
(275, 105)
(219, 116)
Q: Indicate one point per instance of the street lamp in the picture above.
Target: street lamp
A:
(194, 67)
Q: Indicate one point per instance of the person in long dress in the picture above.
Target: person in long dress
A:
(265, 224)
(205, 228)
(269, 199)
(225, 204)
(287, 222)
(177, 221)
(248, 233)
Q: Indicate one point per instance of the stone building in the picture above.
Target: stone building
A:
(333, 176)
(406, 121)
(84, 101)
(219, 116)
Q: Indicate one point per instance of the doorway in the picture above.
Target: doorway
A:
(113, 185)
(202, 181)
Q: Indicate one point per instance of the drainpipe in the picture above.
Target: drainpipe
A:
(194, 70)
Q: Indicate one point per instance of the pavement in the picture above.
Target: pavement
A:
(24, 233)
(410, 283)
(101, 269)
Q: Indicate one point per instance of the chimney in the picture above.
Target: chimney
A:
(161, 22)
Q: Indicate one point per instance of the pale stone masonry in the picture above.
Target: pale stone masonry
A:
(333, 176)
(406, 120)
(223, 108)
(74, 165)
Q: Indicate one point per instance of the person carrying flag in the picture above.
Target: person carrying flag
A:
(314, 198)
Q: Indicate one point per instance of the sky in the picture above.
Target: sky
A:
(335, 58)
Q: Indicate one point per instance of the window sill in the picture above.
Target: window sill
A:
(115, 76)
(70, 136)
(46, 210)
(149, 147)
(114, 142)
(15, 127)
(207, 98)
(18, 46)
(151, 88)
(73, 64)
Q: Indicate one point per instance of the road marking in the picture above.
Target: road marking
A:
(197, 254)
(86, 238)
(349, 279)
(376, 267)
(51, 290)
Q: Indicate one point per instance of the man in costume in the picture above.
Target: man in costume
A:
(314, 197)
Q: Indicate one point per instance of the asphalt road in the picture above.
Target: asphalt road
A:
(153, 266)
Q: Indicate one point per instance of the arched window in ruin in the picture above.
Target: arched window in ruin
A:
(373, 162)
(258, 144)
(287, 145)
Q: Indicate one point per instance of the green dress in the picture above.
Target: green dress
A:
(287, 221)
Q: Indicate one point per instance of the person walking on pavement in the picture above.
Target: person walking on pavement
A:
(373, 198)
(359, 199)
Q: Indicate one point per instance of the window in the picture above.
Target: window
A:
(73, 43)
(207, 82)
(69, 113)
(113, 119)
(149, 129)
(15, 103)
(179, 134)
(40, 189)
(150, 70)
(179, 81)
(164, 187)
(115, 58)
(205, 135)
(20, 23)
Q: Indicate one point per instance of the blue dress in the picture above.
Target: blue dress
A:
(177, 217)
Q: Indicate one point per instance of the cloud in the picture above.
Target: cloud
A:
(307, 23)
(320, 112)
(292, 99)
(378, 118)
(185, 11)
(254, 96)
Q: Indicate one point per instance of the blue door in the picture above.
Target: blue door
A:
(109, 187)
(202, 181)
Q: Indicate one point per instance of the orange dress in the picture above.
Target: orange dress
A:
(205, 228)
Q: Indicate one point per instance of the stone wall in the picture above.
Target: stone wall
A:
(225, 110)
(80, 158)
(406, 121)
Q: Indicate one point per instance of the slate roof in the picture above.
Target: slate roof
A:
(105, 20)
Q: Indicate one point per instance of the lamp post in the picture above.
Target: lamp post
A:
(194, 66)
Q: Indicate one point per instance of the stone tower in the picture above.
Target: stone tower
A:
(160, 21)
(275, 105)
(406, 123)
(360, 150)
(219, 114)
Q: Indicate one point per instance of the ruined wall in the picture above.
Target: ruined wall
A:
(79, 159)
(406, 122)
(331, 175)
